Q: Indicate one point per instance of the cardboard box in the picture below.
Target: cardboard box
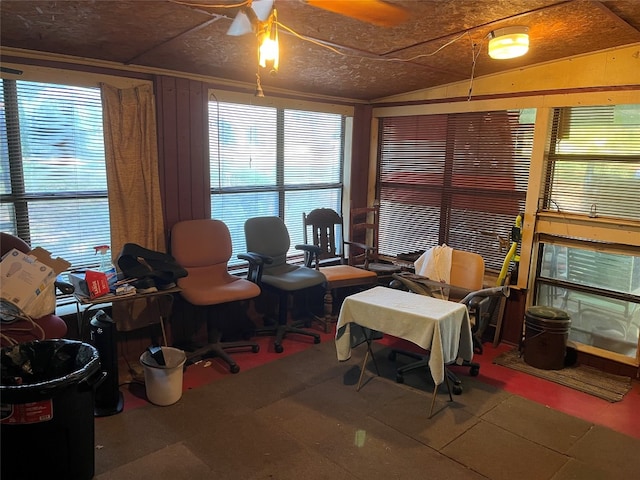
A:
(90, 283)
(26, 276)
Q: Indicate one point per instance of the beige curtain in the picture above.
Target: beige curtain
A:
(132, 168)
(135, 206)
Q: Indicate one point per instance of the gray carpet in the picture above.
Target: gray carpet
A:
(300, 417)
(585, 379)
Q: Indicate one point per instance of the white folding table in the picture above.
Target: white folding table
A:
(439, 326)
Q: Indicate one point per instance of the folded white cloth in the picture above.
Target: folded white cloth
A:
(435, 263)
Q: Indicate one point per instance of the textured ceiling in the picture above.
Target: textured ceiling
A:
(435, 45)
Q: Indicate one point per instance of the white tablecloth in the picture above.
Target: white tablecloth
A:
(439, 326)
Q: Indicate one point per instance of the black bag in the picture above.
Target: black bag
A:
(141, 263)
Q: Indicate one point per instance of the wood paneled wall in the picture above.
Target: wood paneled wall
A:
(183, 149)
(360, 155)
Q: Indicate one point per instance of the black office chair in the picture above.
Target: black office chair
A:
(268, 240)
(203, 248)
(476, 301)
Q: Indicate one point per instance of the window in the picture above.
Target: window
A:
(53, 187)
(459, 179)
(269, 161)
(593, 167)
(588, 265)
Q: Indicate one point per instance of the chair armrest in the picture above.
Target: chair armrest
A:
(426, 286)
(256, 265)
(363, 246)
(309, 248)
(311, 255)
(485, 293)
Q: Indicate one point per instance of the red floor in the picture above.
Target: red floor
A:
(620, 416)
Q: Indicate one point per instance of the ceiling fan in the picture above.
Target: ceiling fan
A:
(376, 12)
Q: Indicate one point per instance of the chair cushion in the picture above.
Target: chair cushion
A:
(336, 273)
(214, 285)
(294, 279)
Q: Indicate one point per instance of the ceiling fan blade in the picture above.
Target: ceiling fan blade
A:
(242, 24)
(262, 8)
(377, 12)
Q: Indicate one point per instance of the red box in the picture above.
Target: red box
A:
(97, 283)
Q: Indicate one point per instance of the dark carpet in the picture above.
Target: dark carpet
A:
(301, 417)
(581, 377)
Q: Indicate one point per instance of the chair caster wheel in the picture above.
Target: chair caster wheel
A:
(255, 348)
(279, 349)
(316, 340)
(234, 368)
(392, 356)
(399, 378)
(474, 371)
(457, 390)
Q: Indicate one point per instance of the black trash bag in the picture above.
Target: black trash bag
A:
(141, 263)
(33, 371)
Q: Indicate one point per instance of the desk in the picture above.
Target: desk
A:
(90, 304)
(439, 326)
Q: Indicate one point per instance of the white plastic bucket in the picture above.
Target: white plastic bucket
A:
(163, 383)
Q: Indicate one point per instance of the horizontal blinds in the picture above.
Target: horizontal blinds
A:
(594, 161)
(242, 146)
(55, 194)
(491, 158)
(458, 179)
(312, 146)
(266, 161)
(411, 180)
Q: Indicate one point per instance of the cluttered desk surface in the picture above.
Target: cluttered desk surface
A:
(439, 326)
(111, 297)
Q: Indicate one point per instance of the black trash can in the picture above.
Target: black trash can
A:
(47, 394)
(546, 334)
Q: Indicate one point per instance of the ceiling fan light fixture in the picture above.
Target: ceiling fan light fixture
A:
(508, 42)
(269, 51)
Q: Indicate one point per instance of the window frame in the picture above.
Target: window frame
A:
(447, 192)
(280, 189)
(579, 230)
(17, 198)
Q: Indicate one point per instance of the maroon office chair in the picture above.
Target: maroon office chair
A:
(22, 330)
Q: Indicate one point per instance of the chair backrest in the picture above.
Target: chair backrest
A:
(268, 236)
(363, 228)
(203, 248)
(466, 273)
(323, 228)
(467, 270)
(9, 242)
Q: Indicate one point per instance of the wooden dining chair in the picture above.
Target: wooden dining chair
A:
(323, 227)
(363, 243)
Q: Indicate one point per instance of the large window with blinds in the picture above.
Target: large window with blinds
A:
(459, 179)
(593, 166)
(273, 161)
(592, 185)
(53, 186)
